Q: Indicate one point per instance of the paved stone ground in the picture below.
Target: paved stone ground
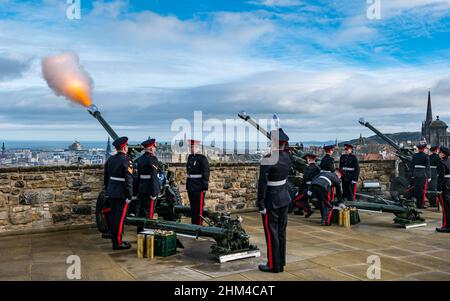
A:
(314, 253)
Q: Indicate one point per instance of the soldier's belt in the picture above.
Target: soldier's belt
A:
(433, 166)
(145, 177)
(276, 183)
(325, 178)
(194, 176)
(447, 176)
(419, 166)
(308, 183)
(117, 179)
(326, 170)
(348, 168)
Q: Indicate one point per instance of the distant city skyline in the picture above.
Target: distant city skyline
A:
(320, 65)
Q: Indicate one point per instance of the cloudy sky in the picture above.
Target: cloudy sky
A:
(319, 64)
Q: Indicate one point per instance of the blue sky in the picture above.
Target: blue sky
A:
(319, 65)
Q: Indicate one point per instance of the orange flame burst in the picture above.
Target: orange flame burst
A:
(78, 92)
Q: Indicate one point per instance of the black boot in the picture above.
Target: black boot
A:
(310, 212)
(443, 230)
(124, 246)
(265, 268)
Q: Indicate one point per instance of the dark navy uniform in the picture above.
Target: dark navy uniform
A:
(148, 188)
(421, 174)
(322, 186)
(444, 187)
(350, 165)
(197, 167)
(327, 163)
(302, 198)
(274, 198)
(435, 164)
(118, 181)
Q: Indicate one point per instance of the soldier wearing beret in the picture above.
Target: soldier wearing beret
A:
(148, 188)
(118, 181)
(350, 165)
(197, 182)
(444, 188)
(274, 200)
(421, 174)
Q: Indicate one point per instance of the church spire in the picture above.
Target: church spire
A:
(429, 112)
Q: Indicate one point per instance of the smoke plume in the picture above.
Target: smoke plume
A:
(66, 77)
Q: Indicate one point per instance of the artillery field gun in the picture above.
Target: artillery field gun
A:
(400, 185)
(231, 241)
(405, 211)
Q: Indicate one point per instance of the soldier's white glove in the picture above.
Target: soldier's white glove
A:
(153, 198)
(354, 182)
(309, 193)
(429, 180)
(263, 212)
(342, 206)
(128, 201)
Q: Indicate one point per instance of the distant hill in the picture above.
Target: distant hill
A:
(403, 136)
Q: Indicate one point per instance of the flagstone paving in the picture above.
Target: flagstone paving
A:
(313, 253)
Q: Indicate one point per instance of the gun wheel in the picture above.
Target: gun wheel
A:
(101, 204)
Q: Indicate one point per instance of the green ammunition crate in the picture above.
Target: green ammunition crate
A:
(335, 217)
(165, 245)
(354, 216)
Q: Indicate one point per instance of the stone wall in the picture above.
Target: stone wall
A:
(64, 196)
(45, 197)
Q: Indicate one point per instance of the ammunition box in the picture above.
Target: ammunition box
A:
(165, 244)
(354, 216)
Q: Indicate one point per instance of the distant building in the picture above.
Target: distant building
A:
(75, 146)
(434, 131)
(3, 149)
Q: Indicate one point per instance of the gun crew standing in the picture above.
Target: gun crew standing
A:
(273, 201)
(148, 189)
(350, 165)
(197, 181)
(118, 182)
(421, 174)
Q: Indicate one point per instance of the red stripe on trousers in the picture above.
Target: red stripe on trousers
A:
(269, 241)
(354, 191)
(124, 213)
(424, 192)
(444, 220)
(152, 208)
(298, 197)
(331, 210)
(200, 220)
(332, 193)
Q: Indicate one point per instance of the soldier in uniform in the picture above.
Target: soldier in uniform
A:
(273, 201)
(350, 165)
(444, 188)
(118, 182)
(197, 181)
(435, 164)
(148, 188)
(322, 186)
(327, 162)
(421, 174)
(302, 198)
